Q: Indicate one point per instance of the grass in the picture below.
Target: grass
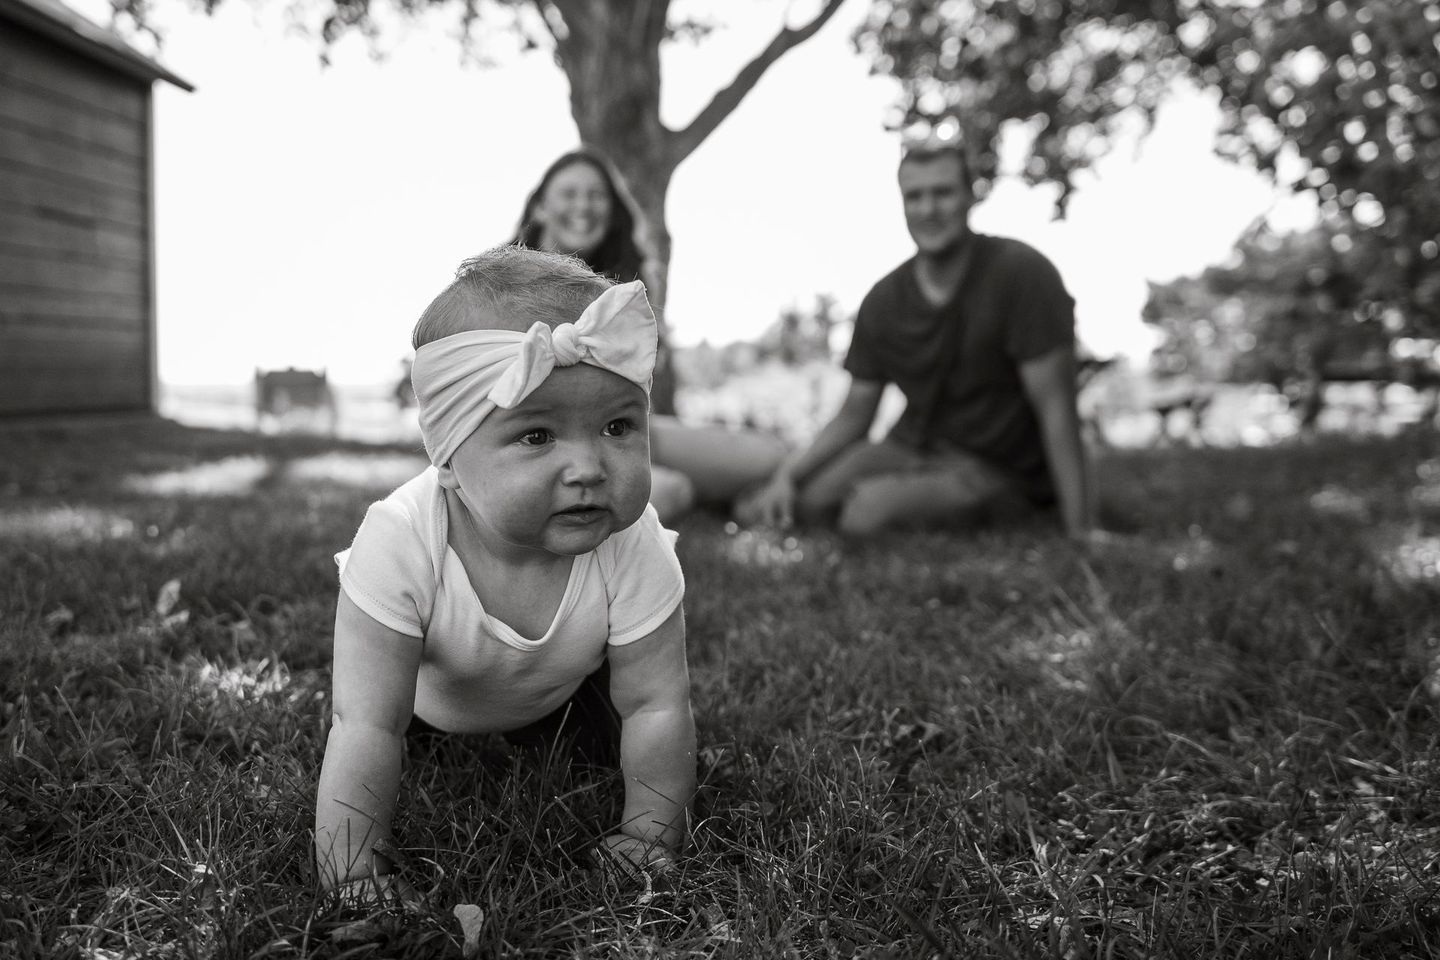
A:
(1214, 738)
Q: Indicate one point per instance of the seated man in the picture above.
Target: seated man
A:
(978, 333)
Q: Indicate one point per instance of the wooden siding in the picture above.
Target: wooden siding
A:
(76, 318)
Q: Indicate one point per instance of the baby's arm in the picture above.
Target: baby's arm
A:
(650, 686)
(374, 697)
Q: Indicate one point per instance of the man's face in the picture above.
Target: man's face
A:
(937, 202)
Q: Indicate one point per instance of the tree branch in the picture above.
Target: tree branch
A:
(683, 142)
(550, 15)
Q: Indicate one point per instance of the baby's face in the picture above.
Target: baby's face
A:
(562, 471)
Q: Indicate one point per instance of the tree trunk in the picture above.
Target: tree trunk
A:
(610, 52)
(648, 192)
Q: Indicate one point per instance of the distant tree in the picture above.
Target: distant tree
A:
(1203, 334)
(610, 53)
(799, 336)
(1350, 87)
(1295, 310)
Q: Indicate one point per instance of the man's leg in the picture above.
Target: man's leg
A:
(944, 490)
(824, 495)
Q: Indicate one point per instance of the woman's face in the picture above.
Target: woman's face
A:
(573, 210)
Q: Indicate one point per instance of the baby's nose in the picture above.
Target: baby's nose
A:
(584, 466)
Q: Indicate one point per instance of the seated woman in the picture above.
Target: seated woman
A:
(577, 209)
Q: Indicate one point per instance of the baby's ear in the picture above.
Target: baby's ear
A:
(446, 476)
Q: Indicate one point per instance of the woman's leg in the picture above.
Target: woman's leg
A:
(721, 463)
(672, 494)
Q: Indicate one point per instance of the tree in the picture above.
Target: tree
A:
(1349, 88)
(1294, 310)
(797, 336)
(610, 53)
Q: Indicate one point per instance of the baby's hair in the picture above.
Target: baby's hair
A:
(509, 288)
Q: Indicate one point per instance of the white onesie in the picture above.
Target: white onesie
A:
(476, 673)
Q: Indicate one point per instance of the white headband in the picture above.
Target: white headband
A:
(461, 378)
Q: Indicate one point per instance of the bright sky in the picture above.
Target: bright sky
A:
(306, 215)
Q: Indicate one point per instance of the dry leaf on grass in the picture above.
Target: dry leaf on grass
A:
(61, 616)
(166, 599)
(472, 919)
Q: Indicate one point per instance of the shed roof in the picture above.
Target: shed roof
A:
(53, 19)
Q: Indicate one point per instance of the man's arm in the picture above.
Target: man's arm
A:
(774, 503)
(650, 687)
(374, 675)
(1049, 382)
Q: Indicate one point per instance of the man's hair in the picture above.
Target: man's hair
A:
(509, 288)
(933, 148)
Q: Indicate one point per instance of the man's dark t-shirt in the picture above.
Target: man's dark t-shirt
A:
(958, 364)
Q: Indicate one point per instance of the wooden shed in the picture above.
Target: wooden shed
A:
(77, 226)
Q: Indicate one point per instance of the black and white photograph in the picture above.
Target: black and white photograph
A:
(775, 479)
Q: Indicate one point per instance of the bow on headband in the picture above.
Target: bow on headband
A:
(461, 378)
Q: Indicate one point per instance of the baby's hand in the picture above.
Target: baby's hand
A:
(384, 891)
(632, 856)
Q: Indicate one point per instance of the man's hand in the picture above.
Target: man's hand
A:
(773, 505)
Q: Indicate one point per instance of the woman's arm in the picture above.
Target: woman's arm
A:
(373, 699)
(650, 687)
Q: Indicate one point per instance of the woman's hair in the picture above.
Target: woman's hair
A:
(617, 256)
(509, 288)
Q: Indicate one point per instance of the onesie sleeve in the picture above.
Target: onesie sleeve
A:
(386, 571)
(645, 584)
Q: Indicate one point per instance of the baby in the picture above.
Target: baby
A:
(523, 572)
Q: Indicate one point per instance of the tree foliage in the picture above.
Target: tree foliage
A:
(1349, 88)
(1286, 307)
(799, 336)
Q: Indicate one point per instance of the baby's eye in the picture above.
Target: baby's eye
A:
(534, 438)
(618, 428)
